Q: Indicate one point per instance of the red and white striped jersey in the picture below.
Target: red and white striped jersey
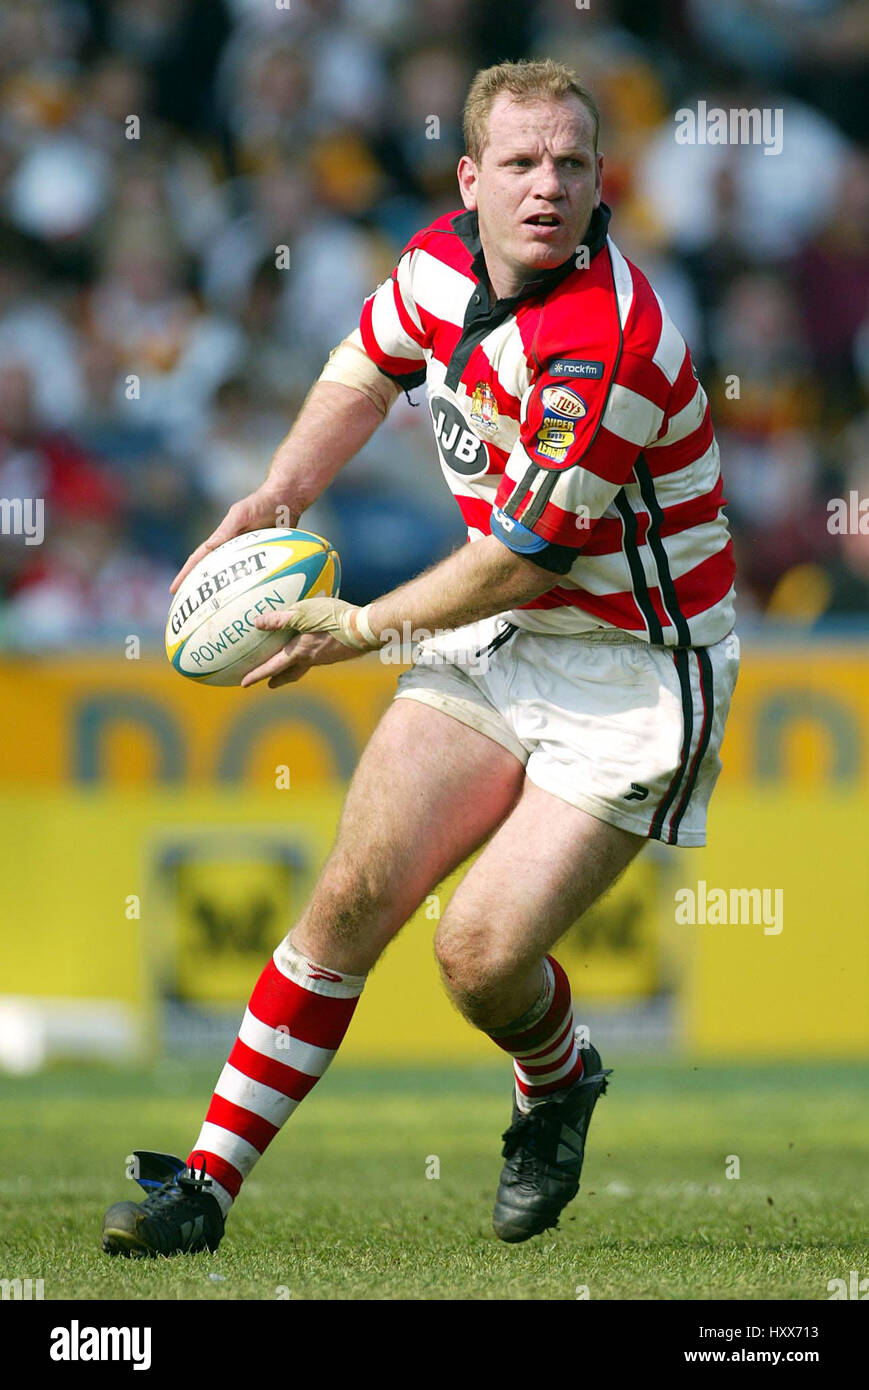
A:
(570, 423)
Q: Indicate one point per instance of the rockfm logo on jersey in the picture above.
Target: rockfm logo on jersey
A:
(739, 125)
(737, 907)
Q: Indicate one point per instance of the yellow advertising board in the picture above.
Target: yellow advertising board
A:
(157, 839)
(128, 896)
(138, 723)
(137, 897)
(800, 716)
(792, 979)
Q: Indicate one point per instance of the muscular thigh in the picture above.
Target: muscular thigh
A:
(544, 867)
(427, 792)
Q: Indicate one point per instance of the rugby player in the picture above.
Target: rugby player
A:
(571, 703)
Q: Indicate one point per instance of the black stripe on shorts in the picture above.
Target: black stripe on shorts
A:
(707, 694)
(680, 657)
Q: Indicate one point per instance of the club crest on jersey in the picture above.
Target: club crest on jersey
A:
(484, 409)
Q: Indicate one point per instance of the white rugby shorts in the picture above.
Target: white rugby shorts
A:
(626, 731)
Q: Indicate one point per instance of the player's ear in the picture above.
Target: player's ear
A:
(467, 175)
(598, 180)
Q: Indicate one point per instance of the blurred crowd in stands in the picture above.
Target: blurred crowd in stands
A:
(155, 154)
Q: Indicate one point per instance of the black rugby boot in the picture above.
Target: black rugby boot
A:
(544, 1151)
(178, 1216)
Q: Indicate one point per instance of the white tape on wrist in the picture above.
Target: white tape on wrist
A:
(364, 627)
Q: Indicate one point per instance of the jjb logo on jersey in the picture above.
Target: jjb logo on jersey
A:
(460, 449)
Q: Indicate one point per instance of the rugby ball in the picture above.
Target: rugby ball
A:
(210, 632)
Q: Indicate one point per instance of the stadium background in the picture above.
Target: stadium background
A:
(156, 838)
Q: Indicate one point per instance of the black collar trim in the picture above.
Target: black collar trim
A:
(467, 228)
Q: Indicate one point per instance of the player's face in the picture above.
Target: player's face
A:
(535, 187)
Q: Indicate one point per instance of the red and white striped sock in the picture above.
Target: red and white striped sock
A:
(292, 1027)
(542, 1044)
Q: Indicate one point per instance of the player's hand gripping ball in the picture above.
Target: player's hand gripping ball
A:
(211, 632)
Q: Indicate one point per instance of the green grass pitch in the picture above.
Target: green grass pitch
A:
(341, 1207)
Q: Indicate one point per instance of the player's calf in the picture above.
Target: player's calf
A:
(557, 1079)
(292, 1028)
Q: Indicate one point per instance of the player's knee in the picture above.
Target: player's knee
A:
(474, 966)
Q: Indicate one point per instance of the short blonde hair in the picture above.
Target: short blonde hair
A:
(527, 81)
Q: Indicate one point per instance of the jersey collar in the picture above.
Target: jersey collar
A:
(467, 227)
